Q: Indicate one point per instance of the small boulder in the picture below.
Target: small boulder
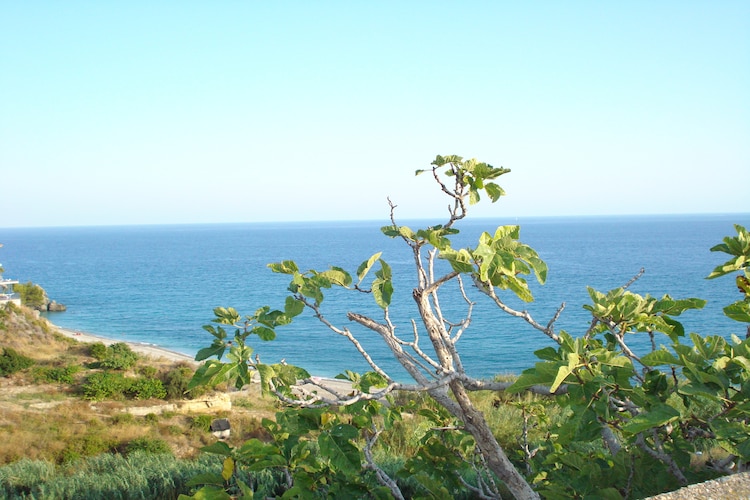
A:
(55, 307)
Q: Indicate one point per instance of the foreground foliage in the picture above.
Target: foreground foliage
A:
(634, 421)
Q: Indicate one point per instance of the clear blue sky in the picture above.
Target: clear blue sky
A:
(228, 111)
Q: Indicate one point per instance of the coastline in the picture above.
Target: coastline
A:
(159, 353)
(152, 351)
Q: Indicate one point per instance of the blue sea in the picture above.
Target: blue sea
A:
(159, 284)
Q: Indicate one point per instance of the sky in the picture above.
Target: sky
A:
(211, 112)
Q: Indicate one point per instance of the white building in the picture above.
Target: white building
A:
(6, 290)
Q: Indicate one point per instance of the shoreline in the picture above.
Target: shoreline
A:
(150, 350)
(156, 353)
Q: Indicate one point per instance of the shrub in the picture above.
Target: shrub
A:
(176, 382)
(119, 357)
(202, 422)
(86, 446)
(104, 385)
(145, 388)
(147, 371)
(12, 362)
(97, 350)
(122, 418)
(148, 445)
(56, 374)
(151, 418)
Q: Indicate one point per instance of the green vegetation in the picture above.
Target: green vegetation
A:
(114, 385)
(104, 385)
(176, 382)
(148, 445)
(613, 424)
(118, 356)
(31, 295)
(136, 475)
(56, 374)
(12, 362)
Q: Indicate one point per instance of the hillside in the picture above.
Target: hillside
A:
(49, 410)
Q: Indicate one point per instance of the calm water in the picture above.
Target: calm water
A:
(159, 284)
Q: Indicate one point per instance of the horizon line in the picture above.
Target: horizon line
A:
(339, 221)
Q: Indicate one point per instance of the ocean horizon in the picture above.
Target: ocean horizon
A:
(158, 284)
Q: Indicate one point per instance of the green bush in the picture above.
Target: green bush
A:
(148, 445)
(151, 418)
(202, 422)
(119, 357)
(122, 418)
(176, 382)
(105, 385)
(97, 350)
(147, 371)
(145, 388)
(12, 362)
(56, 374)
(86, 446)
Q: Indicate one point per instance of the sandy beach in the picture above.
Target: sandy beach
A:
(149, 350)
(156, 352)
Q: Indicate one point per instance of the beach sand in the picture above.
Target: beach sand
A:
(152, 351)
(159, 353)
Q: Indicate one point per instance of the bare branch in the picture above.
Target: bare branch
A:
(473, 385)
(383, 478)
(634, 278)
(395, 347)
(525, 315)
(661, 456)
(344, 333)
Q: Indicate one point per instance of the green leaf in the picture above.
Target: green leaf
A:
(209, 492)
(494, 191)
(285, 267)
(365, 266)
(337, 276)
(460, 260)
(216, 349)
(218, 448)
(739, 311)
(337, 447)
(247, 492)
(264, 333)
(391, 231)
(228, 469)
(371, 379)
(226, 315)
(548, 353)
(562, 374)
(660, 357)
(382, 291)
(659, 415)
(293, 307)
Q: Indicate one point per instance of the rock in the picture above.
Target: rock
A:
(217, 403)
(53, 306)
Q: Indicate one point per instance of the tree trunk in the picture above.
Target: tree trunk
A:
(491, 450)
(463, 409)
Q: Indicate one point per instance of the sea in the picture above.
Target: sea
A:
(159, 284)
